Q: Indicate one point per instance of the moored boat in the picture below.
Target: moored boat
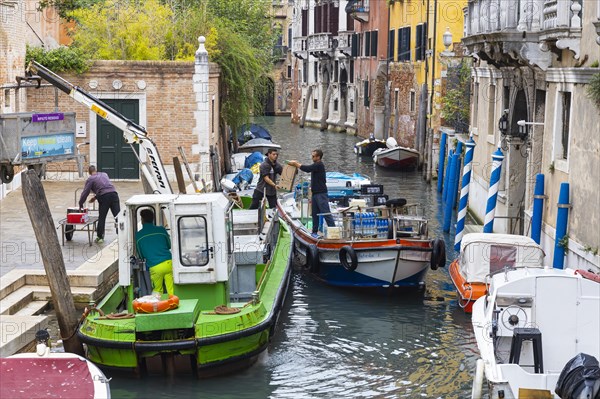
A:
(534, 329)
(482, 254)
(45, 374)
(231, 270)
(396, 157)
(370, 247)
(367, 147)
(258, 145)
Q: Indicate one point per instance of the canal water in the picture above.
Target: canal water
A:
(335, 343)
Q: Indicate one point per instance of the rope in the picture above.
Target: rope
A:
(224, 310)
(85, 314)
(468, 300)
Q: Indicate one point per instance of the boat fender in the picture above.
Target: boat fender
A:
(589, 275)
(438, 254)
(312, 258)
(477, 390)
(345, 252)
(141, 306)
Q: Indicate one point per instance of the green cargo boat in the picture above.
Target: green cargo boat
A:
(231, 270)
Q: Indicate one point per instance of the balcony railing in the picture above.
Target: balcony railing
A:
(358, 9)
(280, 51)
(319, 42)
(547, 22)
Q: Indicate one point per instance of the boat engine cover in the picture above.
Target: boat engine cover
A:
(580, 378)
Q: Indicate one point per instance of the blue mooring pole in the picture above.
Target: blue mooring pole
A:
(464, 193)
(447, 176)
(451, 188)
(490, 209)
(538, 208)
(441, 162)
(459, 147)
(562, 217)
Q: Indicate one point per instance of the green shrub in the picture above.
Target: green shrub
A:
(60, 59)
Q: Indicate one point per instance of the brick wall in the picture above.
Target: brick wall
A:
(403, 78)
(166, 88)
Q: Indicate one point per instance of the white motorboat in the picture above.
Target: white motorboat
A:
(396, 157)
(45, 374)
(529, 326)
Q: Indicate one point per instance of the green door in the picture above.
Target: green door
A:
(115, 156)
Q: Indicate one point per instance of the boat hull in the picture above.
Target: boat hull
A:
(213, 341)
(366, 149)
(398, 158)
(467, 293)
(381, 263)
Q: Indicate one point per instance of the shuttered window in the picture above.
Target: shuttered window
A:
(391, 44)
(374, 43)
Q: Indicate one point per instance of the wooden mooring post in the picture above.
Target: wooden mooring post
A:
(54, 264)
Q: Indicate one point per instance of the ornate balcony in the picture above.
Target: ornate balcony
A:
(299, 47)
(513, 32)
(344, 42)
(320, 45)
(358, 9)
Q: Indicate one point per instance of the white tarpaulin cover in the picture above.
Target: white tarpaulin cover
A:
(485, 253)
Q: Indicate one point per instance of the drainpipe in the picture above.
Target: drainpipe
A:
(430, 132)
(387, 91)
(562, 218)
(538, 208)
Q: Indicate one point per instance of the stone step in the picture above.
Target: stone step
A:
(33, 308)
(15, 301)
(18, 332)
(81, 295)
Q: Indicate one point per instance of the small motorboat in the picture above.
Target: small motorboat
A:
(258, 145)
(396, 157)
(367, 147)
(537, 331)
(252, 131)
(482, 254)
(46, 374)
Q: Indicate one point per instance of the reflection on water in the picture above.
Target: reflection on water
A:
(334, 343)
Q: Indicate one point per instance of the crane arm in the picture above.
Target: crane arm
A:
(155, 173)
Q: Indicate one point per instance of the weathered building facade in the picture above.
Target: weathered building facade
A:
(323, 92)
(535, 60)
(170, 99)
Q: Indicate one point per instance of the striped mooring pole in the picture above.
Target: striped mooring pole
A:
(562, 217)
(490, 209)
(464, 193)
(459, 147)
(441, 162)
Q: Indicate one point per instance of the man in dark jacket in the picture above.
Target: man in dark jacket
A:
(318, 186)
(106, 194)
(266, 186)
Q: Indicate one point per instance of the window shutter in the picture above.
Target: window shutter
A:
(374, 36)
(354, 45)
(391, 44)
(367, 44)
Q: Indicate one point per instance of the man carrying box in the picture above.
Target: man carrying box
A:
(107, 196)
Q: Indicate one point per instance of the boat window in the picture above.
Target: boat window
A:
(193, 241)
(502, 256)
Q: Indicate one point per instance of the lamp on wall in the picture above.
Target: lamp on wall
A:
(447, 39)
(503, 123)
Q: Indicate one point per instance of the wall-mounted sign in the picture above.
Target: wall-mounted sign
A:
(47, 146)
(56, 116)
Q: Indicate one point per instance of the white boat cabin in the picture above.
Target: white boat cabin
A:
(201, 233)
(482, 254)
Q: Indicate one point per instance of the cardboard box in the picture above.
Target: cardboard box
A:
(333, 233)
(288, 175)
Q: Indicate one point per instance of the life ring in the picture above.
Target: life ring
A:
(312, 258)
(438, 254)
(140, 306)
(345, 252)
(589, 275)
